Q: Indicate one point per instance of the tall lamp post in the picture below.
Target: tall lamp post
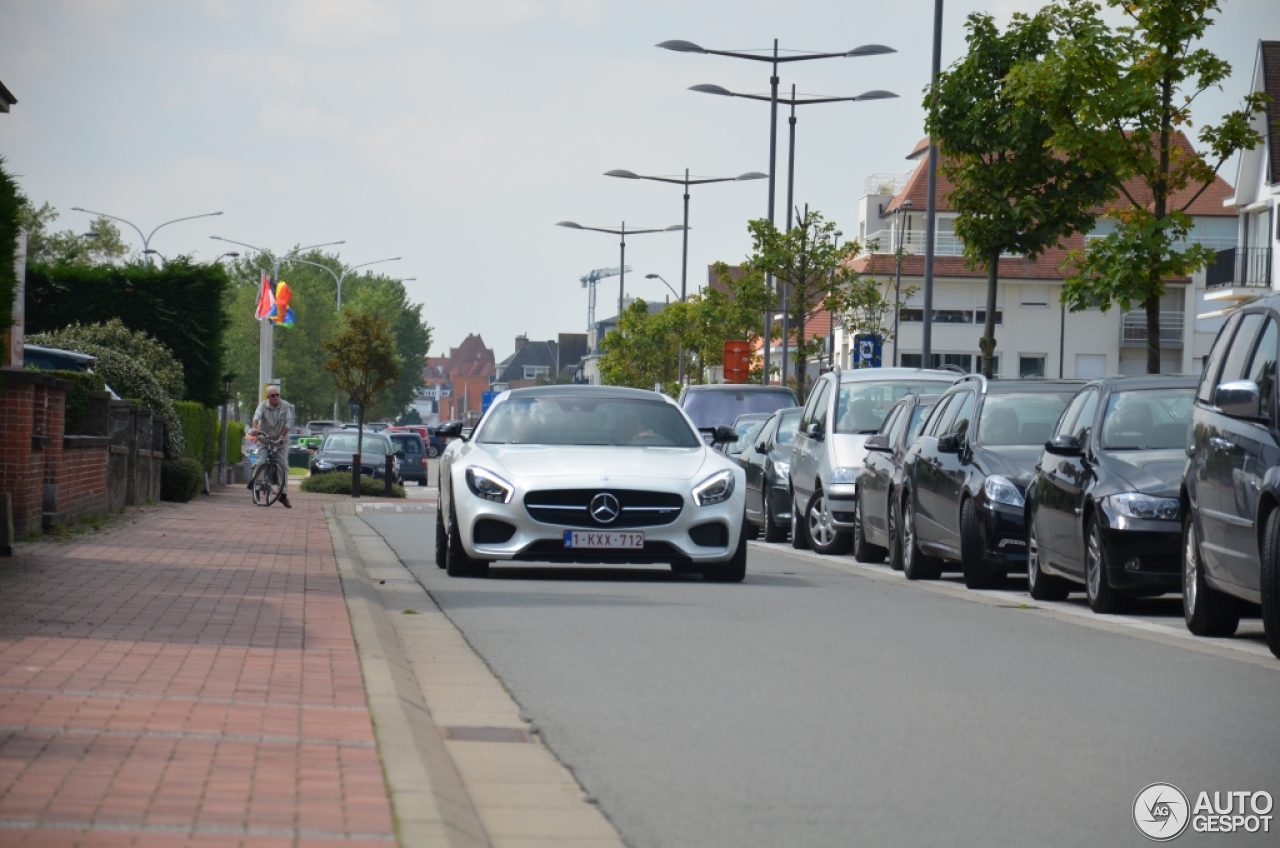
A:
(831, 319)
(622, 244)
(146, 240)
(684, 259)
(266, 337)
(900, 213)
(931, 202)
(793, 101)
(774, 59)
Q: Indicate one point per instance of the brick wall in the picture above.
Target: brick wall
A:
(21, 464)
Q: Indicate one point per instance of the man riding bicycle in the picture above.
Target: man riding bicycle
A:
(272, 422)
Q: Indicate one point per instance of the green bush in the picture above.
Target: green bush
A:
(235, 438)
(199, 432)
(10, 199)
(135, 344)
(180, 479)
(339, 483)
(78, 397)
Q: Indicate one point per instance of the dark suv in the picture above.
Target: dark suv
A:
(1231, 527)
(965, 477)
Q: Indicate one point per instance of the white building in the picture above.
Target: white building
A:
(1033, 335)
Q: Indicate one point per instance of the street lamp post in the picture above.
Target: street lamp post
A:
(931, 202)
(266, 337)
(831, 319)
(684, 259)
(774, 59)
(146, 240)
(903, 207)
(793, 102)
(665, 283)
(622, 244)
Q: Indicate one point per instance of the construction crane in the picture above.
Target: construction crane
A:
(589, 283)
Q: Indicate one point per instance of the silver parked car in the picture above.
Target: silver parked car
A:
(843, 409)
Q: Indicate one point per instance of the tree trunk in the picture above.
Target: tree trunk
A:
(355, 465)
(1153, 332)
(987, 344)
(800, 357)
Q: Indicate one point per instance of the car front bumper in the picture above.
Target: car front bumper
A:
(1144, 556)
(1004, 535)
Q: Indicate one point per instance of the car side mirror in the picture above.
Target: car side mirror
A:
(949, 443)
(877, 442)
(1064, 446)
(1238, 399)
(814, 430)
(450, 430)
(723, 435)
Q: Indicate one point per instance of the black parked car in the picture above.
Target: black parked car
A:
(878, 509)
(340, 446)
(964, 478)
(1103, 510)
(1231, 526)
(766, 458)
(413, 463)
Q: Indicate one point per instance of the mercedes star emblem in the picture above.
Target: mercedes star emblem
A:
(605, 508)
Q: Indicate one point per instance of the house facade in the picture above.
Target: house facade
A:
(539, 362)
(1034, 334)
(454, 385)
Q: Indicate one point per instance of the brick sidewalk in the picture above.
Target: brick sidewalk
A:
(187, 676)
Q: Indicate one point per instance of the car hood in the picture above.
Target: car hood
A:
(850, 449)
(1016, 463)
(1151, 472)
(538, 461)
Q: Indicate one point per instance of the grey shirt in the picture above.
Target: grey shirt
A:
(275, 423)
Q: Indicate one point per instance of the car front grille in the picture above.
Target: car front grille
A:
(572, 507)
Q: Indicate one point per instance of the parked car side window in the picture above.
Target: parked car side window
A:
(963, 415)
(765, 436)
(919, 416)
(811, 408)
(1083, 425)
(1067, 423)
(895, 413)
(940, 413)
(1209, 380)
(897, 424)
(1262, 370)
(820, 411)
(1241, 349)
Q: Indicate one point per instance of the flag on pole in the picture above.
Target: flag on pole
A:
(266, 298)
(280, 312)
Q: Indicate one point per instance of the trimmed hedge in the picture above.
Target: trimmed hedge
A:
(9, 203)
(339, 483)
(180, 479)
(77, 398)
(199, 431)
(235, 438)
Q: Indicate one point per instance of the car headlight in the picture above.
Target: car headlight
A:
(1134, 505)
(717, 488)
(844, 474)
(783, 469)
(323, 466)
(485, 484)
(999, 490)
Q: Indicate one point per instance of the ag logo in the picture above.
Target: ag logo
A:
(1161, 812)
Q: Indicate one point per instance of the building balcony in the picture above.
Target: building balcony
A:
(1240, 266)
(1133, 329)
(913, 241)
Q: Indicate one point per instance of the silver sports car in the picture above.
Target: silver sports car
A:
(590, 474)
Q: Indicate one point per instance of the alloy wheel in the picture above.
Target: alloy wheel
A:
(1190, 569)
(908, 537)
(1093, 563)
(821, 529)
(1033, 555)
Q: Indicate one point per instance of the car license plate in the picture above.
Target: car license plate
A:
(588, 539)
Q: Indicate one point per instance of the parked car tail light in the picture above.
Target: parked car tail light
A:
(717, 488)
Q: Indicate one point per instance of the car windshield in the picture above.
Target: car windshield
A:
(1021, 418)
(707, 409)
(346, 443)
(585, 420)
(863, 405)
(1151, 419)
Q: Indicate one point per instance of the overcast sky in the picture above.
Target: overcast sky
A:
(456, 134)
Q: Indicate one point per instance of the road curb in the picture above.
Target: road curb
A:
(429, 800)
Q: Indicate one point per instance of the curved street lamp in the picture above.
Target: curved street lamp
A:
(622, 263)
(665, 283)
(146, 240)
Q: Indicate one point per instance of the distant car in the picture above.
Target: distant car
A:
(413, 465)
(844, 408)
(321, 426)
(435, 445)
(340, 446)
(766, 459)
(1102, 509)
(589, 474)
(965, 478)
(878, 509)
(720, 405)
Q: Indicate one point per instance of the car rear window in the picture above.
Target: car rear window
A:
(407, 443)
(708, 409)
(1023, 418)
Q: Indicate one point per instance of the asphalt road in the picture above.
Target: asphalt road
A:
(830, 703)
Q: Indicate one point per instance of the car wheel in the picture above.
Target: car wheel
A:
(819, 526)
(441, 540)
(895, 533)
(799, 539)
(1270, 581)
(752, 531)
(433, 452)
(734, 569)
(1207, 611)
(1102, 598)
(916, 565)
(978, 572)
(773, 532)
(422, 481)
(457, 563)
(864, 551)
(1041, 586)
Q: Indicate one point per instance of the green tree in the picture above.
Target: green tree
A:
(1013, 195)
(866, 305)
(10, 223)
(807, 261)
(104, 246)
(363, 361)
(387, 298)
(1117, 101)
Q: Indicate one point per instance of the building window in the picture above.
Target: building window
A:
(533, 372)
(1034, 297)
(950, 316)
(970, 363)
(1032, 365)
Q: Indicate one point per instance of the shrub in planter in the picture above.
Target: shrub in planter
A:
(180, 479)
(339, 483)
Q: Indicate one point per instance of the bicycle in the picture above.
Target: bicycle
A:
(266, 484)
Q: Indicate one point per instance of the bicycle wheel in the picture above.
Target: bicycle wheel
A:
(266, 484)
